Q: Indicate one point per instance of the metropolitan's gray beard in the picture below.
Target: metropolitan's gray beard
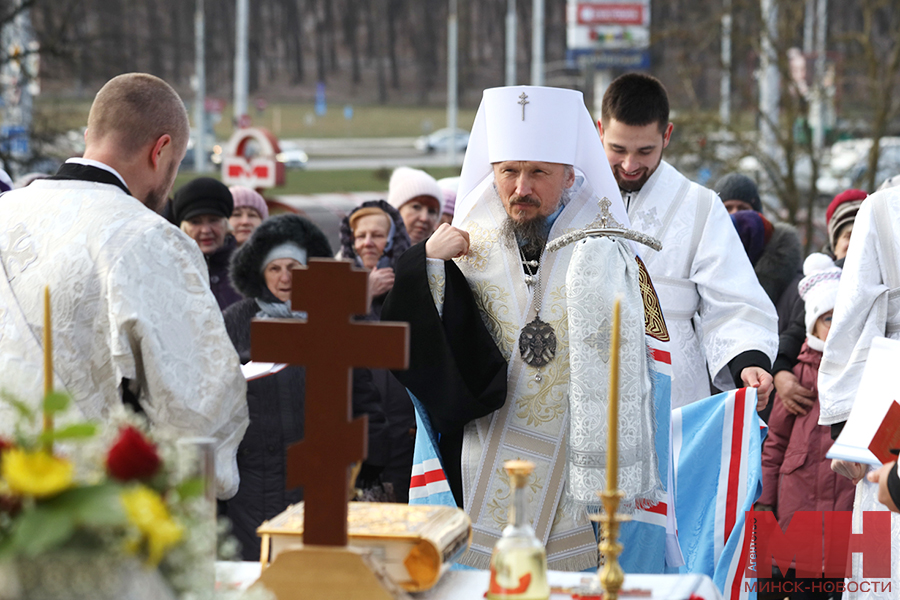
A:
(533, 233)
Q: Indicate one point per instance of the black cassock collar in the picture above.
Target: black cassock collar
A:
(78, 172)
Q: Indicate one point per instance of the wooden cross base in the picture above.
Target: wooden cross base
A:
(328, 573)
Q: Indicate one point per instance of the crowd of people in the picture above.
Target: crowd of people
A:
(153, 311)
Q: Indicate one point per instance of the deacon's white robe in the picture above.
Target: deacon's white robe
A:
(713, 304)
(867, 306)
(131, 299)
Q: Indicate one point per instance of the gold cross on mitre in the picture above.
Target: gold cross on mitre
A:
(523, 100)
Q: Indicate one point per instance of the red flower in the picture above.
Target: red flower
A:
(5, 445)
(132, 456)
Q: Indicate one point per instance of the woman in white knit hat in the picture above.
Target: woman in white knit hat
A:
(419, 199)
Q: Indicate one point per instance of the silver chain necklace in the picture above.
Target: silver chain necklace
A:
(537, 341)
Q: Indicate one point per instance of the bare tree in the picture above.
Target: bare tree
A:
(879, 41)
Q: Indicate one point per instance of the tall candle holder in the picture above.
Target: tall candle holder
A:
(611, 575)
(48, 368)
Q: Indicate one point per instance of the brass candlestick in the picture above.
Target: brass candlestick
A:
(611, 575)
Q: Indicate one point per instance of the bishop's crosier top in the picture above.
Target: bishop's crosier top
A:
(534, 124)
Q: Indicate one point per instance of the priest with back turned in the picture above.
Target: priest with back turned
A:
(510, 339)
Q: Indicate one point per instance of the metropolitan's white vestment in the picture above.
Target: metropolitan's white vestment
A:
(867, 306)
(131, 299)
(713, 304)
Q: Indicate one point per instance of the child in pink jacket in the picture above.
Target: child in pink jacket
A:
(796, 474)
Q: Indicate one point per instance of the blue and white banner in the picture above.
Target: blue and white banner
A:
(428, 484)
(711, 496)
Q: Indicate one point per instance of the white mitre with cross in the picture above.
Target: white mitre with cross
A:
(536, 124)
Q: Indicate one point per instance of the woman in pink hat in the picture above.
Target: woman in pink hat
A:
(250, 209)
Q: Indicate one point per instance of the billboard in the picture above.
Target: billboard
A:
(617, 33)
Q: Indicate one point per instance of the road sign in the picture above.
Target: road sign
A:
(603, 25)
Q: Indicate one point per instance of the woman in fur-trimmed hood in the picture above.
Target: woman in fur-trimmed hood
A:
(261, 270)
(248, 262)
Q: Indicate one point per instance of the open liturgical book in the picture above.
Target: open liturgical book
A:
(415, 543)
(873, 428)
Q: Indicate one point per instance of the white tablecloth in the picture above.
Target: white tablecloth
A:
(469, 585)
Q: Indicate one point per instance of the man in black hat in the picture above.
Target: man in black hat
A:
(134, 320)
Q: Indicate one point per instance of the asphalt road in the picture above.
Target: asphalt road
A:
(368, 153)
(327, 210)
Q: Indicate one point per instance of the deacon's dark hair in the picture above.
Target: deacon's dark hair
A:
(636, 99)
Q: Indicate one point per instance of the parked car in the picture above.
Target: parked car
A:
(293, 158)
(440, 140)
(849, 164)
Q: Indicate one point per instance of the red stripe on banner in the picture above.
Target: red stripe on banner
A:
(739, 570)
(734, 469)
(426, 478)
(661, 356)
(659, 508)
(435, 475)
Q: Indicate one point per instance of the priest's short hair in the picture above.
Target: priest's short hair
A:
(137, 109)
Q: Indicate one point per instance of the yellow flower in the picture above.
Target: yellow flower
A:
(37, 474)
(148, 513)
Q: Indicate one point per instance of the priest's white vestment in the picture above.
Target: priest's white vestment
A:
(867, 306)
(131, 300)
(713, 304)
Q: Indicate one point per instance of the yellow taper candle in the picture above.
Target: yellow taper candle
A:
(612, 451)
(48, 360)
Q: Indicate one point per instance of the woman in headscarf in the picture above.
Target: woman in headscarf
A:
(261, 270)
(373, 236)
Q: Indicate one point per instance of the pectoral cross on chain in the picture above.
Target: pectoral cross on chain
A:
(329, 344)
(523, 101)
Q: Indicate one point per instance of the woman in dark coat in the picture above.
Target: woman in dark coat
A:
(261, 271)
(357, 245)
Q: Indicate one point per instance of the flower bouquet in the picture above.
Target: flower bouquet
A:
(100, 511)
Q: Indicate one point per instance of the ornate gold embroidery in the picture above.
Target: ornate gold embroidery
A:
(436, 285)
(498, 507)
(480, 245)
(654, 322)
(493, 304)
(548, 402)
(549, 398)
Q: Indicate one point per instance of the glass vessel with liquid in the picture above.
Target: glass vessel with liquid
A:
(519, 561)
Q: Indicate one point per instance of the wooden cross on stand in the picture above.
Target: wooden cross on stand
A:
(329, 344)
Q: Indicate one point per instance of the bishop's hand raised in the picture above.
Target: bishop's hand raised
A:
(447, 243)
